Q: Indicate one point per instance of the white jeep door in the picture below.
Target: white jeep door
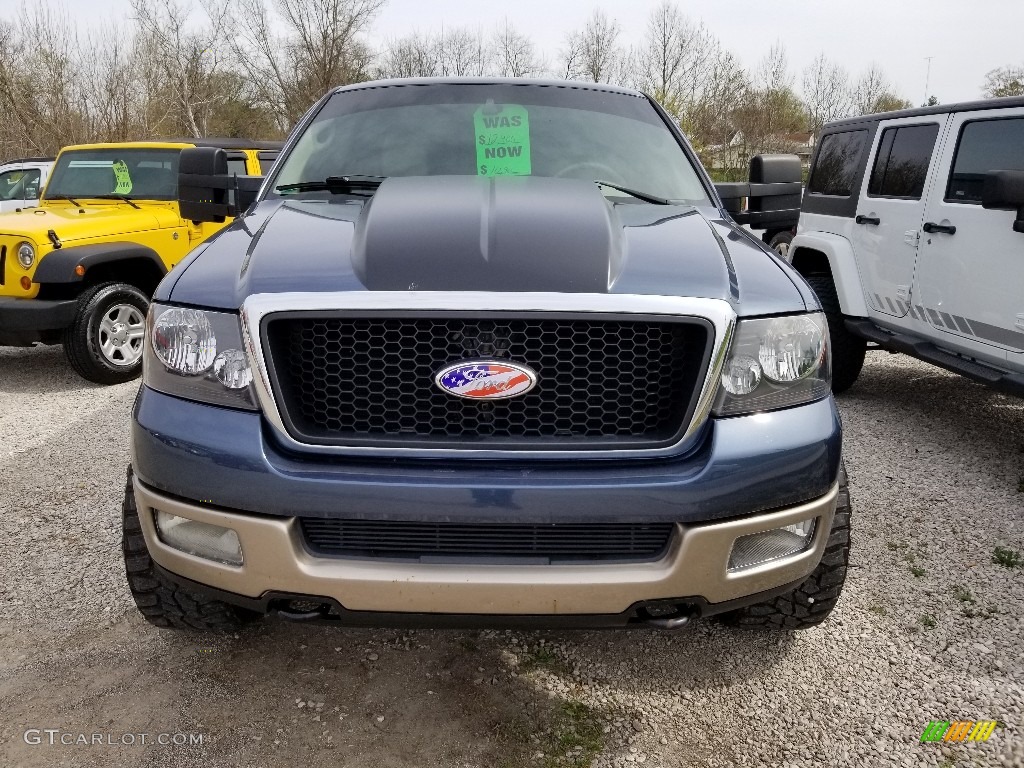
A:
(891, 209)
(970, 276)
(19, 187)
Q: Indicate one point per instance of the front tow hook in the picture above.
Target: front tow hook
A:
(674, 622)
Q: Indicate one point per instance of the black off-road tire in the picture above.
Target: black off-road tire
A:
(81, 339)
(163, 603)
(780, 243)
(811, 602)
(847, 350)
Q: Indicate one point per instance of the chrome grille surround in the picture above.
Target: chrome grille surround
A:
(258, 307)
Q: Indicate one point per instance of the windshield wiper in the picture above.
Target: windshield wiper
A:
(337, 185)
(122, 198)
(645, 196)
(64, 197)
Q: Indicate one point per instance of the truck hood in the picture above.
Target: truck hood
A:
(90, 221)
(477, 234)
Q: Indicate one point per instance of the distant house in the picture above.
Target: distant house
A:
(736, 153)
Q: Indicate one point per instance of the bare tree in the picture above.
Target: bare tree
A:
(770, 114)
(1004, 81)
(43, 94)
(873, 93)
(319, 46)
(826, 92)
(593, 53)
(463, 53)
(675, 60)
(709, 120)
(412, 56)
(516, 53)
(451, 53)
(189, 56)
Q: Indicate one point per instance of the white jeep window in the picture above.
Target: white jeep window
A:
(21, 184)
(837, 164)
(901, 165)
(985, 145)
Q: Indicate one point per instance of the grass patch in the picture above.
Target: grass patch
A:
(878, 610)
(927, 621)
(977, 612)
(571, 737)
(1008, 558)
(576, 737)
(542, 658)
(918, 571)
(963, 594)
(893, 545)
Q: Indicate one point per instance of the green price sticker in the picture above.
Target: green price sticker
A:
(124, 179)
(502, 140)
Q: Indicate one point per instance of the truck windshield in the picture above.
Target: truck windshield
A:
(470, 129)
(150, 174)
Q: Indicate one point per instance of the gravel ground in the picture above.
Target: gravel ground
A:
(929, 627)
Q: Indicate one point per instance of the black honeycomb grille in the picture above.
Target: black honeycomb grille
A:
(559, 541)
(602, 383)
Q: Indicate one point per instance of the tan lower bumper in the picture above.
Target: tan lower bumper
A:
(275, 560)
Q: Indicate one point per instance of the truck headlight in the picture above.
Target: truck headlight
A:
(198, 355)
(775, 362)
(26, 255)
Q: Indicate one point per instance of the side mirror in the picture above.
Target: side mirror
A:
(1004, 190)
(773, 193)
(203, 184)
(206, 191)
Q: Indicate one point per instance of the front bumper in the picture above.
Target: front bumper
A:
(747, 474)
(694, 570)
(26, 321)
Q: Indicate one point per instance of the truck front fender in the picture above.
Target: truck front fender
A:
(814, 251)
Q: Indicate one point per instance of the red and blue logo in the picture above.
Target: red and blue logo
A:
(485, 380)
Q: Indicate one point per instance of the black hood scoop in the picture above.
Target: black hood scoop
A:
(458, 233)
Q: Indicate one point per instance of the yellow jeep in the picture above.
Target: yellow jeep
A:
(79, 269)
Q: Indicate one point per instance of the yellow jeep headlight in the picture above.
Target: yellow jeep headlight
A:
(26, 255)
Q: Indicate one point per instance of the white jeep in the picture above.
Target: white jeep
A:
(911, 232)
(21, 181)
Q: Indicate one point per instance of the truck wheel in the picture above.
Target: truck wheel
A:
(780, 242)
(161, 602)
(847, 350)
(104, 342)
(811, 602)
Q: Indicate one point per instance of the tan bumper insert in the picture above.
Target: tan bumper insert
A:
(695, 566)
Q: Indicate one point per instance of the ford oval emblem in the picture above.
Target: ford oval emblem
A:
(485, 379)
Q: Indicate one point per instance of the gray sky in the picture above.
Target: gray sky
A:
(966, 39)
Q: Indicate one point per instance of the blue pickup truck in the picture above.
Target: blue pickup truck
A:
(483, 352)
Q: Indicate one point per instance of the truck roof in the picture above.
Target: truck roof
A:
(938, 109)
(572, 84)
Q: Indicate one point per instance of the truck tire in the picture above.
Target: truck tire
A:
(811, 602)
(161, 602)
(847, 350)
(104, 342)
(780, 243)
